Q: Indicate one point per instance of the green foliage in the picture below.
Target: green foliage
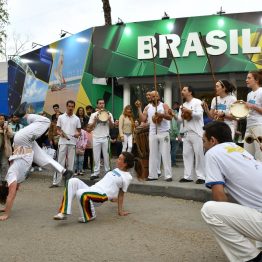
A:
(4, 19)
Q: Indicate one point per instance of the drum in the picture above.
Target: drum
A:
(103, 116)
(239, 109)
(142, 142)
(142, 148)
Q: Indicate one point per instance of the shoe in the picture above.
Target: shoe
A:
(81, 173)
(40, 169)
(151, 179)
(32, 169)
(53, 186)
(200, 181)
(21, 110)
(94, 177)
(68, 174)
(159, 175)
(169, 179)
(60, 216)
(82, 220)
(183, 180)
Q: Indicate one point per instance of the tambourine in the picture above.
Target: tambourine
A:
(239, 109)
(103, 116)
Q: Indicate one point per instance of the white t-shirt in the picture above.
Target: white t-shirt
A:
(68, 124)
(254, 118)
(113, 181)
(19, 168)
(101, 128)
(232, 166)
(164, 125)
(196, 123)
(223, 105)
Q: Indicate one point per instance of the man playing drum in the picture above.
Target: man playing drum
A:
(100, 122)
(159, 118)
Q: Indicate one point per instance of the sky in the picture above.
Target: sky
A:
(41, 21)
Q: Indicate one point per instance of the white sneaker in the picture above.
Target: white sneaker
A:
(82, 220)
(40, 169)
(60, 216)
(32, 169)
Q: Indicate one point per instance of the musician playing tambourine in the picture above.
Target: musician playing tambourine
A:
(220, 105)
(158, 117)
(191, 116)
(100, 122)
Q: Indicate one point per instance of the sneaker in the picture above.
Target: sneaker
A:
(151, 179)
(21, 110)
(60, 216)
(169, 179)
(82, 220)
(94, 177)
(53, 186)
(32, 169)
(200, 181)
(40, 169)
(183, 180)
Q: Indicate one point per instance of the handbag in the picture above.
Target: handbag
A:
(80, 151)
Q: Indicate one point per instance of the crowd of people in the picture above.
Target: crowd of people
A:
(84, 140)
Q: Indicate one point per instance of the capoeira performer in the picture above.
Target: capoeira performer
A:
(26, 151)
(112, 186)
(191, 114)
(100, 137)
(159, 118)
(235, 225)
(220, 105)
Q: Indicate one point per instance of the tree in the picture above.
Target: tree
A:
(107, 12)
(4, 19)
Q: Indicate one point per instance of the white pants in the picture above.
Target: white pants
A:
(127, 143)
(254, 148)
(100, 144)
(233, 226)
(85, 197)
(159, 143)
(66, 157)
(22, 163)
(193, 151)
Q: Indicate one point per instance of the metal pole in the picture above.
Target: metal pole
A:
(112, 84)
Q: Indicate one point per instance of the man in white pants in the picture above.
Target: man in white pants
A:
(69, 129)
(158, 118)
(26, 150)
(232, 167)
(193, 130)
(101, 138)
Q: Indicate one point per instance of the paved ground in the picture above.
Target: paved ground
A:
(158, 229)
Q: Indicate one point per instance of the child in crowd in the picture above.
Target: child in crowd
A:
(80, 151)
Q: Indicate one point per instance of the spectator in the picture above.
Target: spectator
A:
(68, 127)
(80, 151)
(57, 112)
(53, 135)
(6, 134)
(126, 128)
(88, 157)
(82, 116)
(116, 144)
